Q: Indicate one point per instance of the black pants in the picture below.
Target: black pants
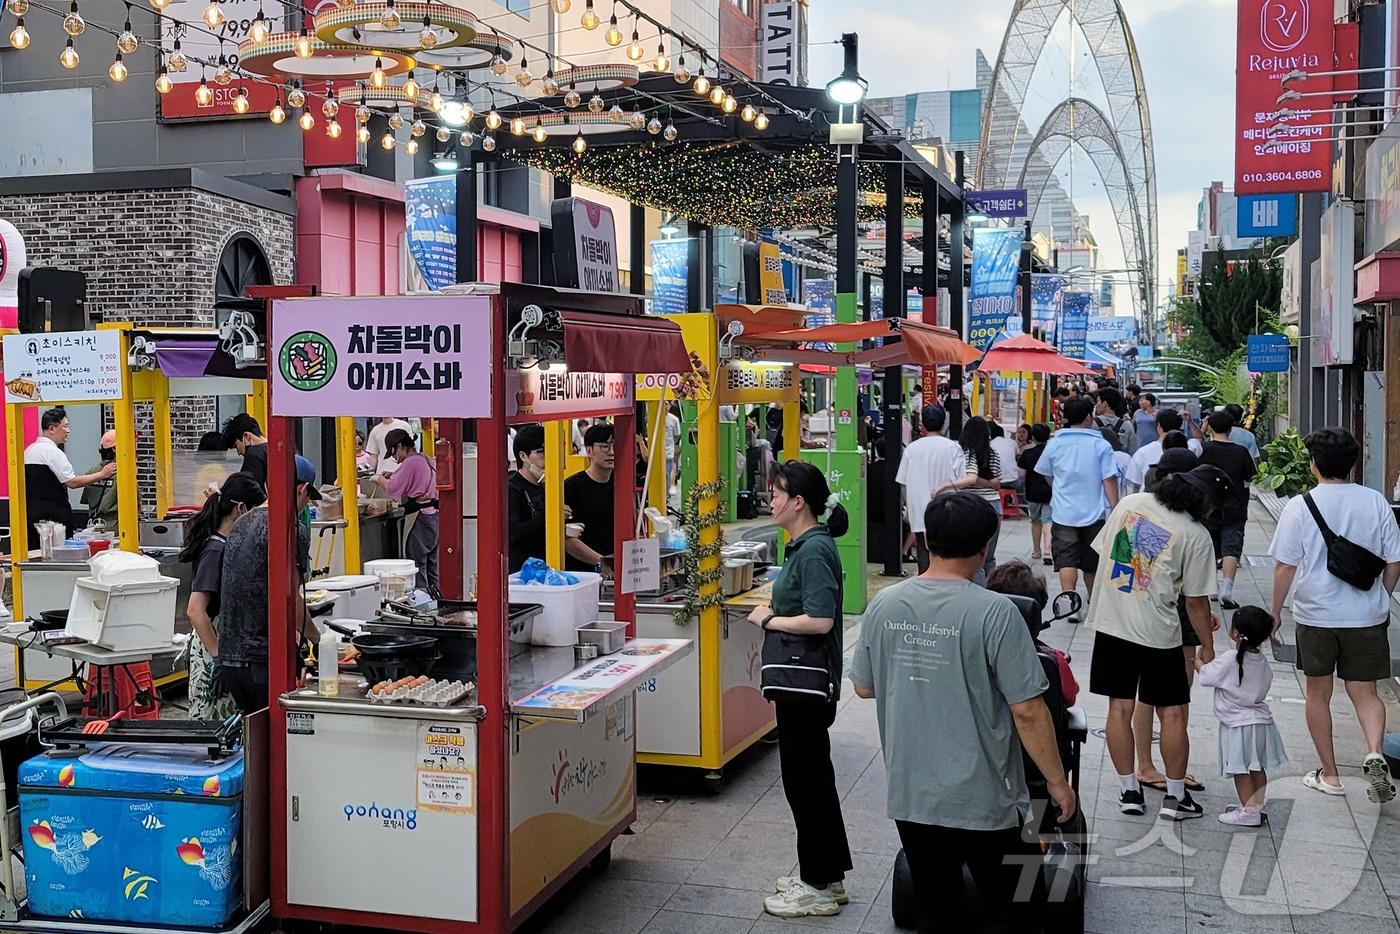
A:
(247, 686)
(921, 551)
(804, 750)
(1005, 866)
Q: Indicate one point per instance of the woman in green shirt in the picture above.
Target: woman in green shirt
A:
(807, 601)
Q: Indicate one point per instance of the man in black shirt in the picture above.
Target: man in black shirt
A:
(588, 495)
(1037, 488)
(1227, 531)
(525, 497)
(243, 434)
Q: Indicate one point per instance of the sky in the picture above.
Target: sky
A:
(1187, 52)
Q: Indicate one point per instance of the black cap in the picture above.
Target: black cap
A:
(1176, 460)
(1210, 480)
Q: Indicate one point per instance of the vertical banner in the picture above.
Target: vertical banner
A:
(819, 295)
(1047, 300)
(996, 267)
(1195, 249)
(1074, 324)
(771, 285)
(1276, 37)
(669, 274)
(1333, 318)
(430, 216)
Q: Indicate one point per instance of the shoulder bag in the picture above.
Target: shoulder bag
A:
(1346, 560)
(796, 668)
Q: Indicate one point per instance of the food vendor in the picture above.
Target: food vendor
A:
(525, 497)
(588, 495)
(49, 475)
(413, 483)
(243, 434)
(101, 497)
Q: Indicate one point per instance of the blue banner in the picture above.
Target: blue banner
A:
(430, 216)
(1047, 300)
(1267, 353)
(1074, 324)
(1002, 202)
(996, 267)
(1266, 215)
(819, 295)
(669, 276)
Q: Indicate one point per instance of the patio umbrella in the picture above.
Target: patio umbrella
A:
(1025, 354)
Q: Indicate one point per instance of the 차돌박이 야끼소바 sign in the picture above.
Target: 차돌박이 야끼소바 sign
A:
(424, 355)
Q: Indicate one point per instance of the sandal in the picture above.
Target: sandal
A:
(1315, 781)
(1191, 783)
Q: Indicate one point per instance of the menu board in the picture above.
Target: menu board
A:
(63, 366)
(582, 689)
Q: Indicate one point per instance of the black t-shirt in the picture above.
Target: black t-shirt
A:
(592, 504)
(525, 504)
(1037, 484)
(255, 462)
(1239, 466)
(209, 572)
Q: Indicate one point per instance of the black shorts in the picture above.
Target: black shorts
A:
(1228, 541)
(1128, 671)
(1189, 638)
(1071, 546)
(1359, 654)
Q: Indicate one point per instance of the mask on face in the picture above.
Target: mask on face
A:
(108, 454)
(533, 471)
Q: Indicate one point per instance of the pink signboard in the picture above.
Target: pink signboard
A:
(409, 356)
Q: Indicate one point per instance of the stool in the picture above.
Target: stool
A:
(1010, 504)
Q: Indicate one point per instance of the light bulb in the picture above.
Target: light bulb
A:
(702, 85)
(613, 36)
(418, 128)
(387, 141)
(160, 4)
(333, 129)
(493, 119)
(213, 15)
(579, 144)
(277, 114)
(303, 46)
(443, 134)
(589, 20)
(636, 119)
(240, 102)
(498, 65)
(748, 113)
(177, 60)
(761, 121)
(410, 89)
(73, 23)
(296, 97)
(435, 103)
(202, 95)
(391, 19)
(222, 76)
(571, 98)
(163, 83)
(18, 7)
(468, 137)
(654, 126)
(428, 38)
(330, 108)
(517, 127)
(376, 77)
(661, 62)
(616, 114)
(634, 48)
(717, 95)
(539, 134)
(68, 58)
(488, 143)
(523, 76)
(411, 147)
(551, 87)
(362, 115)
(682, 74)
(670, 133)
(117, 70)
(259, 30)
(19, 36)
(362, 134)
(596, 104)
(395, 121)
(562, 6)
(127, 41)
(306, 121)
(729, 105)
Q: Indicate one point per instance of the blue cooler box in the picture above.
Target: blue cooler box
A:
(134, 833)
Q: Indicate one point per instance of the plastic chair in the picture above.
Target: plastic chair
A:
(1010, 504)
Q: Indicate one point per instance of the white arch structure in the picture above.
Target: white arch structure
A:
(1117, 137)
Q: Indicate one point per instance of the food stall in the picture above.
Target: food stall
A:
(491, 797)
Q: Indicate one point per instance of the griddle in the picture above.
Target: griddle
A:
(454, 625)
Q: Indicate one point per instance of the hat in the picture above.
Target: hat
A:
(1176, 460)
(307, 474)
(1210, 480)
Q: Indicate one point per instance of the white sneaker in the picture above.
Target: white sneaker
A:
(800, 900)
(837, 890)
(1381, 789)
(1242, 817)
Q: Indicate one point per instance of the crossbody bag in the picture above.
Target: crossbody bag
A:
(1346, 560)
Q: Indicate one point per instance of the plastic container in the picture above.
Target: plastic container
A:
(144, 835)
(566, 607)
(396, 576)
(123, 567)
(328, 664)
(125, 617)
(357, 596)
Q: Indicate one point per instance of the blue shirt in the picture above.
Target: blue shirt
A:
(1246, 440)
(1078, 460)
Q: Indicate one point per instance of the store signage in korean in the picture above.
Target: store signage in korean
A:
(340, 356)
(1074, 324)
(63, 366)
(770, 274)
(1010, 202)
(201, 44)
(742, 383)
(1266, 353)
(996, 270)
(558, 393)
(585, 245)
(1266, 215)
(1277, 151)
(1106, 329)
(641, 565)
(1333, 314)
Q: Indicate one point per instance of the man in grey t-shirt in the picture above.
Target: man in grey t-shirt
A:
(938, 651)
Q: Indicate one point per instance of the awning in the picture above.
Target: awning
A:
(599, 343)
(931, 345)
(828, 333)
(1378, 278)
(188, 359)
(1025, 354)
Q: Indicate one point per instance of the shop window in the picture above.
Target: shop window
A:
(519, 7)
(744, 6)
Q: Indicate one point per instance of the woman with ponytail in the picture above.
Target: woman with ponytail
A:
(805, 619)
(204, 548)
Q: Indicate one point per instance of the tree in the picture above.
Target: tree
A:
(1235, 301)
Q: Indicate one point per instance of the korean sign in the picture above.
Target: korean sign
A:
(430, 217)
(1276, 37)
(1266, 353)
(1074, 324)
(63, 366)
(742, 383)
(342, 356)
(670, 273)
(996, 268)
(1267, 215)
(1333, 314)
(1001, 203)
(770, 274)
(557, 393)
(585, 245)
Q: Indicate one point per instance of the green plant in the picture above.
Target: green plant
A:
(1226, 386)
(1285, 469)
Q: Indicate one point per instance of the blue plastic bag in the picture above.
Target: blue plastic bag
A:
(535, 571)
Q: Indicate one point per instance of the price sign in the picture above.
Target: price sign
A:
(641, 565)
(63, 366)
(208, 45)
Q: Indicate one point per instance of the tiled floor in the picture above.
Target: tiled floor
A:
(698, 864)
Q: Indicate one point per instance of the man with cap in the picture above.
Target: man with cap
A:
(413, 484)
(241, 668)
(1153, 549)
(49, 475)
(101, 497)
(927, 464)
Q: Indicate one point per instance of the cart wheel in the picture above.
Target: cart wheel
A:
(903, 909)
(602, 861)
(714, 782)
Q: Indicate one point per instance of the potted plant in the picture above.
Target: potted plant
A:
(1285, 470)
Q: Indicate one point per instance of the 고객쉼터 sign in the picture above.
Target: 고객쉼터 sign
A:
(63, 366)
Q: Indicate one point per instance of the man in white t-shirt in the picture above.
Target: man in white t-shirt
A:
(927, 464)
(1341, 628)
(1005, 449)
(673, 443)
(384, 463)
(1149, 454)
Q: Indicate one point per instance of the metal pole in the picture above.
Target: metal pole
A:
(467, 262)
(1027, 267)
(893, 545)
(638, 217)
(956, 296)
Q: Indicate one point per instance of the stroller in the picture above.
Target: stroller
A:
(1065, 846)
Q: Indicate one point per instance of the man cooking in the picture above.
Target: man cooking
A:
(101, 497)
(588, 495)
(413, 483)
(49, 475)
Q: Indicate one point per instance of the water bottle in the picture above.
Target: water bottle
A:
(327, 664)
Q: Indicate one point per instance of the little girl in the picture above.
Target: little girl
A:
(1249, 742)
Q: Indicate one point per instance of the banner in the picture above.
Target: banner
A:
(1106, 329)
(1047, 299)
(670, 268)
(1195, 249)
(778, 55)
(1333, 316)
(1274, 38)
(772, 288)
(996, 267)
(819, 295)
(1074, 324)
(430, 216)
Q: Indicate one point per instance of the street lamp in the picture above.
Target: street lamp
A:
(849, 88)
(669, 228)
(446, 161)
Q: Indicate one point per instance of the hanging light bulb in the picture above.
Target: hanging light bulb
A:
(18, 7)
(160, 4)
(377, 77)
(333, 129)
(488, 143)
(259, 30)
(330, 108)
(468, 113)
(213, 15)
(177, 60)
(443, 134)
(616, 114)
(202, 95)
(417, 129)
(68, 58)
(362, 115)
(303, 46)
(636, 119)
(682, 74)
(613, 36)
(468, 137)
(716, 95)
(296, 97)
(539, 134)
(163, 83)
(634, 48)
(702, 84)
(551, 86)
(362, 134)
(306, 121)
(391, 19)
(411, 147)
(73, 23)
(240, 102)
(572, 98)
(395, 120)
(579, 144)
(277, 114)
(561, 6)
(589, 20)
(523, 76)
(127, 42)
(410, 89)
(428, 38)
(654, 126)
(435, 103)
(117, 70)
(661, 62)
(223, 77)
(387, 141)
(596, 104)
(761, 121)
(670, 133)
(517, 126)
(498, 64)
(729, 104)
(493, 119)
(19, 36)
(748, 113)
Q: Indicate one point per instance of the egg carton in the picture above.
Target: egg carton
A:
(435, 693)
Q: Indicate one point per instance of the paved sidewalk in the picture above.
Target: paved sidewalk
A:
(702, 864)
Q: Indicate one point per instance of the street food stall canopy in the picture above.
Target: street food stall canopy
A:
(598, 343)
(1025, 354)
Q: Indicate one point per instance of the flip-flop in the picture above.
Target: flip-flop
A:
(1192, 784)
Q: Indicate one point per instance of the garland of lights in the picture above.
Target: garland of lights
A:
(702, 588)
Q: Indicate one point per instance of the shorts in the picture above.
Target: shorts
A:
(1228, 541)
(1189, 639)
(1039, 512)
(1359, 654)
(1071, 546)
(1127, 671)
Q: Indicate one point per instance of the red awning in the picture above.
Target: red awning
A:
(931, 345)
(1025, 354)
(831, 333)
(599, 343)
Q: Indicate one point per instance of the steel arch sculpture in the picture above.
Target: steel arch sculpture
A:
(1004, 153)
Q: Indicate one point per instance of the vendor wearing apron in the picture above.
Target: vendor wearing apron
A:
(49, 475)
(414, 484)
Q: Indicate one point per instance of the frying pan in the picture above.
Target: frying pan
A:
(386, 643)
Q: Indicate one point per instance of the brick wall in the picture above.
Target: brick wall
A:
(738, 39)
(150, 257)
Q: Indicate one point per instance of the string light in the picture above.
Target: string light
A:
(362, 114)
(362, 134)
(498, 64)
(589, 20)
(395, 120)
(306, 121)
(202, 95)
(670, 133)
(579, 144)
(661, 62)
(761, 121)
(468, 137)
(748, 113)
(435, 103)
(716, 95)
(163, 83)
(330, 108)
(411, 147)
(223, 77)
(377, 77)
(387, 141)
(117, 70)
(550, 85)
(177, 61)
(654, 126)
(296, 97)
(702, 84)
(517, 126)
(19, 36)
(213, 15)
(73, 23)
(561, 6)
(68, 58)
(729, 105)
(417, 129)
(428, 38)
(616, 114)
(634, 48)
(277, 114)
(682, 75)
(18, 7)
(303, 46)
(443, 134)
(160, 4)
(259, 30)
(127, 43)
(572, 98)
(493, 119)
(539, 134)
(333, 129)
(596, 104)
(488, 143)
(636, 119)
(391, 19)
(240, 102)
(613, 36)
(523, 76)
(410, 88)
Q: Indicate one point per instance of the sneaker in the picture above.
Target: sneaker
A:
(1131, 802)
(1374, 768)
(800, 900)
(1227, 603)
(1315, 781)
(1183, 809)
(836, 889)
(1242, 817)
(1049, 561)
